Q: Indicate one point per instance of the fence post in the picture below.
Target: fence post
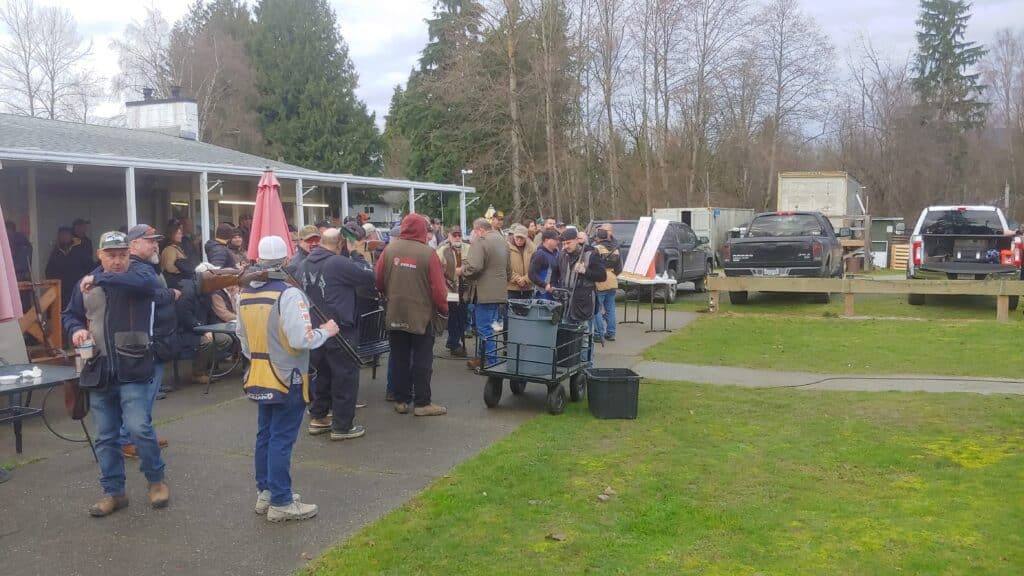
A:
(1002, 308)
(713, 301)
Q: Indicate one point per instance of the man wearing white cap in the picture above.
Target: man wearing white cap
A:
(276, 335)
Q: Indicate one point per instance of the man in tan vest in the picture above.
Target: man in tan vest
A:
(411, 277)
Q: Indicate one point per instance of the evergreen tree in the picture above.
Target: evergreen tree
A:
(943, 63)
(308, 107)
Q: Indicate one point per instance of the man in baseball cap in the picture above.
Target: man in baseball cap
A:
(309, 238)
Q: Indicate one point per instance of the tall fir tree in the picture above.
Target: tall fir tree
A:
(944, 79)
(308, 108)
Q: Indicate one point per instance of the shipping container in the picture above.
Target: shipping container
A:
(712, 223)
(834, 194)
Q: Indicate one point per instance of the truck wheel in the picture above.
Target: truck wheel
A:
(915, 299)
(1014, 300)
(669, 292)
(738, 297)
(820, 298)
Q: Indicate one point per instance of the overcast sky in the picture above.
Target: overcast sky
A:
(385, 36)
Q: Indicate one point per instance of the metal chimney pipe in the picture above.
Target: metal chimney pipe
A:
(147, 93)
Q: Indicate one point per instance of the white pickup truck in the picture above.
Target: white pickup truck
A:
(963, 243)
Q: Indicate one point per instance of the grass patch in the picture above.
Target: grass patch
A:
(719, 480)
(846, 346)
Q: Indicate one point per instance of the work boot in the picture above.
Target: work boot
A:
(401, 407)
(609, 337)
(318, 426)
(159, 495)
(129, 451)
(473, 363)
(201, 379)
(263, 501)
(107, 506)
(430, 410)
(354, 432)
(459, 352)
(294, 511)
(161, 441)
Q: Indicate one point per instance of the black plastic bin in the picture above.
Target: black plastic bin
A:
(613, 392)
(569, 344)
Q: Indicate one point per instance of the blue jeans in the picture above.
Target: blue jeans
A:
(603, 323)
(128, 404)
(486, 316)
(456, 325)
(158, 379)
(277, 429)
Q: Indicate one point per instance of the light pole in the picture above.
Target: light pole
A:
(462, 201)
(464, 172)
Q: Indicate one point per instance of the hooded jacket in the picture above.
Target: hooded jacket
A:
(519, 264)
(410, 275)
(218, 254)
(331, 281)
(580, 286)
(610, 257)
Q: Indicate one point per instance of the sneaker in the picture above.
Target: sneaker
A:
(159, 495)
(355, 432)
(107, 506)
(459, 352)
(319, 426)
(401, 407)
(598, 340)
(360, 405)
(609, 337)
(294, 511)
(389, 397)
(430, 410)
(263, 501)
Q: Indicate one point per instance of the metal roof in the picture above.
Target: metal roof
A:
(42, 140)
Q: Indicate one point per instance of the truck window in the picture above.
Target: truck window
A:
(962, 222)
(784, 225)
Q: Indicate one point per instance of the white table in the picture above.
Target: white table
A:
(651, 283)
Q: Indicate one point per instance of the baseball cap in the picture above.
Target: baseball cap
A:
(324, 224)
(455, 230)
(499, 215)
(309, 231)
(569, 234)
(549, 234)
(353, 231)
(113, 241)
(143, 231)
(272, 248)
(520, 231)
(78, 221)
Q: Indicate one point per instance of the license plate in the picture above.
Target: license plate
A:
(773, 272)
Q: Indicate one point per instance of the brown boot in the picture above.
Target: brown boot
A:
(201, 379)
(129, 451)
(108, 505)
(473, 363)
(430, 410)
(319, 426)
(161, 441)
(159, 495)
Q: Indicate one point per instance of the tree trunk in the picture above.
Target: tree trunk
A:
(513, 106)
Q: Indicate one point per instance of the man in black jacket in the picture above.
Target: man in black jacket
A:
(332, 282)
(579, 268)
(217, 252)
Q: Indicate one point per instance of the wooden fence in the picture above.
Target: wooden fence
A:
(851, 286)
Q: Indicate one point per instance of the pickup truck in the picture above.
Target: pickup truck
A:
(785, 244)
(963, 243)
(681, 254)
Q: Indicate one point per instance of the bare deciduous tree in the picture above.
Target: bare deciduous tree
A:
(143, 55)
(610, 52)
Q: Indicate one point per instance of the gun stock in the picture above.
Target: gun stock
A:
(214, 280)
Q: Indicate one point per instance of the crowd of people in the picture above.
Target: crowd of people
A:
(138, 299)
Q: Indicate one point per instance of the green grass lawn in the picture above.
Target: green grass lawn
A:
(833, 345)
(725, 481)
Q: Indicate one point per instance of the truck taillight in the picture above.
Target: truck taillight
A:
(726, 253)
(1018, 251)
(916, 251)
(816, 250)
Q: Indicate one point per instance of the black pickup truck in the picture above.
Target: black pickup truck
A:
(785, 244)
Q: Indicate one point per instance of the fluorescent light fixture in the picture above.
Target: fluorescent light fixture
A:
(237, 202)
(70, 168)
(307, 205)
(185, 204)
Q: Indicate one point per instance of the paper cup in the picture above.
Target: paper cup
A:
(85, 350)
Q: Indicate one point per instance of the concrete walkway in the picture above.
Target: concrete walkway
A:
(210, 528)
(754, 378)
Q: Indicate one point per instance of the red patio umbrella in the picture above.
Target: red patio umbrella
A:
(268, 218)
(10, 300)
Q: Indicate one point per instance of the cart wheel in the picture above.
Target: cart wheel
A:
(517, 386)
(577, 387)
(492, 391)
(556, 399)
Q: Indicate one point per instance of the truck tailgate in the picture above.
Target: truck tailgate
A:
(771, 252)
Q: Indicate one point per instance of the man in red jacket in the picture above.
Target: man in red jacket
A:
(411, 277)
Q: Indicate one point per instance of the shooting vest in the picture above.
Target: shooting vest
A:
(612, 283)
(275, 364)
